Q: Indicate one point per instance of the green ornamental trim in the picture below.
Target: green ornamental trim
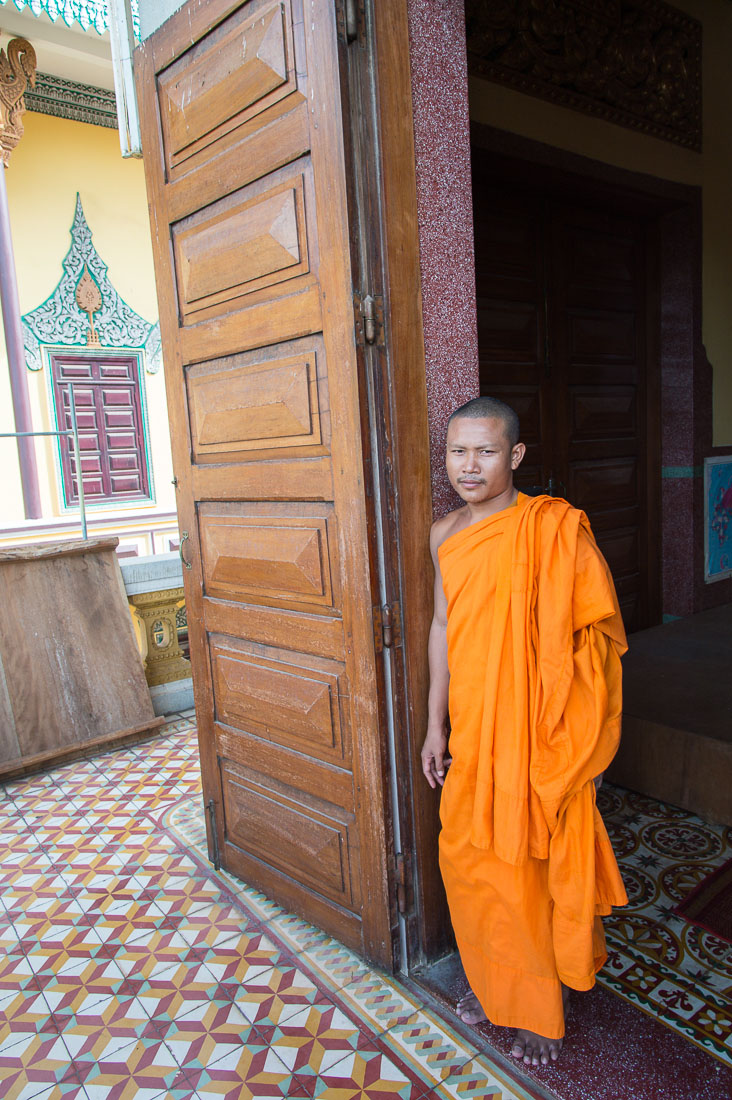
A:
(52, 95)
(59, 321)
(87, 13)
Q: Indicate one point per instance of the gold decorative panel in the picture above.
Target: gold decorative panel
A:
(239, 68)
(633, 62)
(279, 700)
(240, 246)
(255, 407)
(278, 556)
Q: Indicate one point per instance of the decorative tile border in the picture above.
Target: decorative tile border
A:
(673, 970)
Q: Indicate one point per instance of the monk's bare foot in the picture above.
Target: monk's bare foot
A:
(537, 1050)
(469, 1009)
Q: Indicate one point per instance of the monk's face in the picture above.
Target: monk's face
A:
(480, 459)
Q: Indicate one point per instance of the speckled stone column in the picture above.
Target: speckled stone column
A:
(445, 211)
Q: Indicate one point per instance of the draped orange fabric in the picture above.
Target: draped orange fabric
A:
(534, 639)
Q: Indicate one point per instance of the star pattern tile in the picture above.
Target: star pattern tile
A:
(131, 970)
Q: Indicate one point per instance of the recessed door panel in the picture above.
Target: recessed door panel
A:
(281, 696)
(305, 842)
(256, 406)
(238, 70)
(273, 554)
(241, 245)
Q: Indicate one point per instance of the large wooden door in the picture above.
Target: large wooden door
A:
(247, 180)
(563, 338)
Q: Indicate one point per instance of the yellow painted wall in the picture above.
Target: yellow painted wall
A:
(711, 170)
(55, 159)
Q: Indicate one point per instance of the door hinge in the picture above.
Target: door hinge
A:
(211, 810)
(387, 626)
(402, 882)
(369, 312)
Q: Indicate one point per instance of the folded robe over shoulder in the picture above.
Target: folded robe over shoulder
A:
(534, 639)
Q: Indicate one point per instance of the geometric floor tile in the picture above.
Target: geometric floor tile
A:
(131, 970)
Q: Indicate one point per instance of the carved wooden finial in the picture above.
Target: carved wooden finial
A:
(17, 71)
(89, 299)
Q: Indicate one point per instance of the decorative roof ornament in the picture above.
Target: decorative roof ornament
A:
(89, 298)
(87, 13)
(17, 71)
(62, 320)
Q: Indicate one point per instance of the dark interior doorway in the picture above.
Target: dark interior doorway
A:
(567, 318)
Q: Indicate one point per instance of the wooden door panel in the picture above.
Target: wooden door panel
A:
(249, 404)
(197, 96)
(603, 485)
(306, 841)
(508, 331)
(320, 635)
(248, 182)
(238, 245)
(283, 479)
(601, 335)
(607, 411)
(282, 696)
(600, 262)
(234, 72)
(277, 554)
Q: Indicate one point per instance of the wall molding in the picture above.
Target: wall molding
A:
(52, 95)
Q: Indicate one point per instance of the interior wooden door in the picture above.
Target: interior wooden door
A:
(562, 333)
(597, 288)
(247, 179)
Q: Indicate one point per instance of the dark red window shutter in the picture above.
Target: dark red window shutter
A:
(106, 395)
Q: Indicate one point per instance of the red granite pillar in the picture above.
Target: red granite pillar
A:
(445, 212)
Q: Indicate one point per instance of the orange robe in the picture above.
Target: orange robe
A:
(534, 639)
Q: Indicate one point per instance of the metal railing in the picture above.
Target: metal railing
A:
(73, 430)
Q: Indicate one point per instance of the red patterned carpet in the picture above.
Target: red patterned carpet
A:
(710, 905)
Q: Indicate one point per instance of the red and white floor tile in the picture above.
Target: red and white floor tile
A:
(129, 968)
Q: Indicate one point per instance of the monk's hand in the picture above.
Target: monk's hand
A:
(434, 760)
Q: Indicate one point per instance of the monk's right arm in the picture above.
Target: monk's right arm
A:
(435, 743)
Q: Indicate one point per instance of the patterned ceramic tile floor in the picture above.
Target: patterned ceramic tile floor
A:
(673, 970)
(130, 969)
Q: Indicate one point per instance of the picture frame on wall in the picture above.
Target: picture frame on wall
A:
(717, 518)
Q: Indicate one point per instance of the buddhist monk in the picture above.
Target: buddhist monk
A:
(525, 647)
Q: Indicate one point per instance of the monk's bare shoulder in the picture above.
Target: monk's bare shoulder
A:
(445, 526)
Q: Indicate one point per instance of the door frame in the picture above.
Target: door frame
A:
(397, 404)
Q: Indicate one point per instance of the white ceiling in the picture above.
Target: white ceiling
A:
(68, 52)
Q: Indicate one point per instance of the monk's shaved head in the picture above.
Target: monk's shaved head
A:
(490, 408)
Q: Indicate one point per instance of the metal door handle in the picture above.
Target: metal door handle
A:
(183, 538)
